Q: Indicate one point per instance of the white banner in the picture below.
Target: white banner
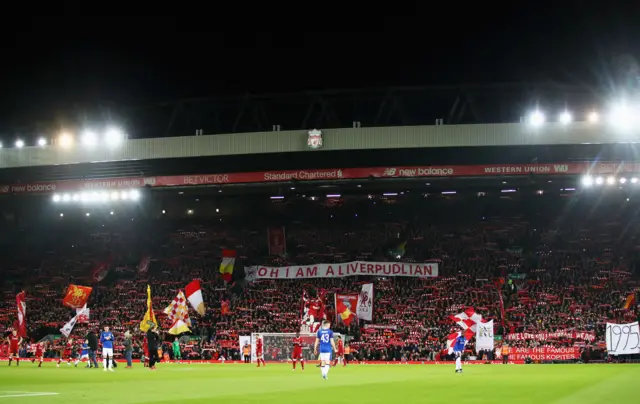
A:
(623, 339)
(364, 310)
(67, 328)
(484, 336)
(416, 270)
(244, 340)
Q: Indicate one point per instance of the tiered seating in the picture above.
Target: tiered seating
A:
(554, 269)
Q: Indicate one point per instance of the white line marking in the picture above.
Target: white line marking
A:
(25, 394)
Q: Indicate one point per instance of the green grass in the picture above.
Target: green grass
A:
(182, 383)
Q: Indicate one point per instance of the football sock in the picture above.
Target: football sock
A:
(458, 364)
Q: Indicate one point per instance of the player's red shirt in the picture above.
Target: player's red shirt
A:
(14, 341)
(39, 349)
(316, 308)
(67, 349)
(297, 343)
(145, 347)
(340, 347)
(259, 347)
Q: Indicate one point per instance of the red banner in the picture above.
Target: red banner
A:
(545, 354)
(76, 296)
(325, 174)
(544, 336)
(277, 241)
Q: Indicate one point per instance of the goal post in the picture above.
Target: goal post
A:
(278, 347)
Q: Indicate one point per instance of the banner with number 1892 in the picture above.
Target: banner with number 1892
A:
(623, 339)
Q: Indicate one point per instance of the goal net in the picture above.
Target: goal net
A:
(279, 346)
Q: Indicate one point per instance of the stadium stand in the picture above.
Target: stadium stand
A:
(561, 262)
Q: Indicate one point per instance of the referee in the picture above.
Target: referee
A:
(153, 339)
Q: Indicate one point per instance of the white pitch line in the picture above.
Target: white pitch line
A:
(26, 394)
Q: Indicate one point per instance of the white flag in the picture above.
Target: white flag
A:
(484, 336)
(364, 309)
(83, 314)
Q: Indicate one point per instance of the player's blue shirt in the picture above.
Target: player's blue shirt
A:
(459, 344)
(106, 343)
(325, 337)
(85, 349)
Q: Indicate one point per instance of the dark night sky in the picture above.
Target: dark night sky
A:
(50, 64)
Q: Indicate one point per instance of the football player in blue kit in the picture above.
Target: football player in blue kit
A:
(458, 349)
(324, 341)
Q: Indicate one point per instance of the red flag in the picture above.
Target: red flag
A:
(346, 307)
(277, 241)
(22, 314)
(224, 307)
(76, 296)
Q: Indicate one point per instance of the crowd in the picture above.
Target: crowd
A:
(556, 263)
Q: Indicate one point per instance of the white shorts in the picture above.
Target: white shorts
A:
(325, 356)
(458, 354)
(107, 352)
(85, 356)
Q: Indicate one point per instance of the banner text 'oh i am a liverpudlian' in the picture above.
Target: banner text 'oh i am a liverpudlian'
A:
(418, 270)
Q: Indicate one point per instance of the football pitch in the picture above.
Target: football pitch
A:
(385, 384)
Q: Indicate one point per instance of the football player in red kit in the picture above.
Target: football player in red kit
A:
(14, 342)
(297, 351)
(39, 356)
(260, 351)
(66, 354)
(339, 353)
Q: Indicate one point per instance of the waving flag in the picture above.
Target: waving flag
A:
(194, 295)
(345, 305)
(77, 296)
(149, 320)
(178, 314)
(22, 314)
(67, 328)
(468, 319)
(143, 266)
(83, 313)
(630, 302)
(227, 264)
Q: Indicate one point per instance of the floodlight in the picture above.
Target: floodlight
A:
(89, 139)
(19, 143)
(66, 198)
(611, 180)
(115, 196)
(623, 180)
(113, 137)
(42, 142)
(565, 118)
(587, 180)
(593, 117)
(56, 198)
(623, 116)
(135, 194)
(599, 181)
(65, 140)
(537, 118)
(634, 180)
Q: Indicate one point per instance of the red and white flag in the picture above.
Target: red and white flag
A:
(83, 314)
(451, 339)
(468, 319)
(194, 296)
(364, 310)
(22, 314)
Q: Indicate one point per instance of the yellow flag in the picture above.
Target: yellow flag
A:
(149, 320)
